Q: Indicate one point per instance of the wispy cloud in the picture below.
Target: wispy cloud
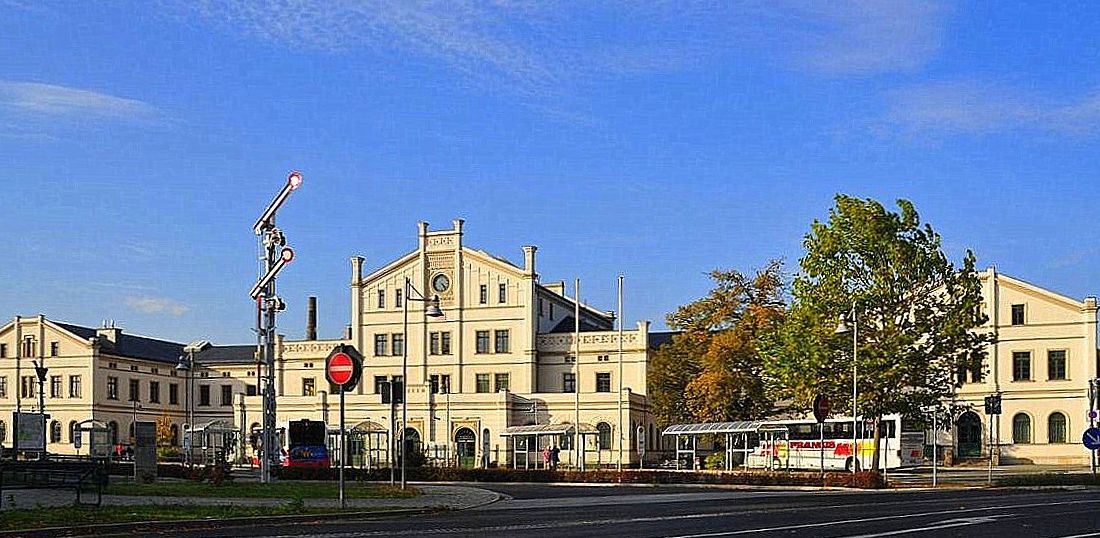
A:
(157, 305)
(51, 100)
(981, 107)
(547, 47)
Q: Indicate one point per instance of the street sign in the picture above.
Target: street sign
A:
(821, 408)
(993, 404)
(343, 367)
(340, 368)
(1091, 438)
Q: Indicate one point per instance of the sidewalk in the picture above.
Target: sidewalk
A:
(433, 497)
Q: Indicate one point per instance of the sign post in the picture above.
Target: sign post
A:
(821, 412)
(343, 367)
(935, 436)
(641, 447)
(992, 409)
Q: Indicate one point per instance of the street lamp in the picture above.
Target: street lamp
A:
(431, 311)
(40, 370)
(187, 363)
(842, 328)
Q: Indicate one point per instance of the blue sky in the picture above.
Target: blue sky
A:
(660, 140)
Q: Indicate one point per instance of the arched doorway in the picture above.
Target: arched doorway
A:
(466, 447)
(411, 446)
(969, 438)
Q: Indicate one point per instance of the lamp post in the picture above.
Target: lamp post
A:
(935, 436)
(40, 370)
(431, 311)
(187, 363)
(842, 328)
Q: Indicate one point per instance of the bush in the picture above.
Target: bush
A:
(715, 461)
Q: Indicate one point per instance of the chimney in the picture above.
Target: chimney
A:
(529, 259)
(311, 319)
(356, 270)
(109, 332)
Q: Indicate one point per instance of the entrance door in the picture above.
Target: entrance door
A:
(466, 447)
(969, 428)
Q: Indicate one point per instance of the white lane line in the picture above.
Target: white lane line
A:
(949, 524)
(1081, 535)
(881, 518)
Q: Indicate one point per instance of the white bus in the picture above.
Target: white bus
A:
(902, 445)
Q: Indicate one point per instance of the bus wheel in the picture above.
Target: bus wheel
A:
(848, 465)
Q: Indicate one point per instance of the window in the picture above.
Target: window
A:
(1017, 314)
(604, 437)
(445, 343)
(569, 382)
(55, 431)
(4, 387)
(55, 386)
(501, 341)
(309, 386)
(433, 347)
(976, 373)
(483, 294)
(28, 347)
(251, 390)
(380, 345)
(379, 382)
(603, 358)
(397, 298)
(72, 431)
(381, 298)
(500, 382)
(1021, 429)
(112, 432)
(26, 387)
(1056, 364)
(112, 388)
(445, 384)
(175, 435)
(1056, 428)
(483, 382)
(227, 395)
(204, 395)
(54, 347)
(74, 386)
(603, 382)
(398, 344)
(3, 350)
(135, 390)
(482, 341)
(434, 382)
(1021, 366)
(154, 391)
(502, 293)
(3, 431)
(174, 394)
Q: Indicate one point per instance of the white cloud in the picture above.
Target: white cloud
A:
(157, 305)
(60, 101)
(981, 107)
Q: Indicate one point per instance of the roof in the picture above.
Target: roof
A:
(242, 354)
(658, 339)
(137, 347)
(545, 429)
(567, 325)
(743, 426)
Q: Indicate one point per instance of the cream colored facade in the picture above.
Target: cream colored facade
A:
(1044, 357)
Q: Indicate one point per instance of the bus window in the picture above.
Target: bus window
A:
(802, 432)
(888, 429)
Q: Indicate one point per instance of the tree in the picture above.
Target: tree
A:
(919, 316)
(711, 371)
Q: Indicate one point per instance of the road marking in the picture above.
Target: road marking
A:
(951, 523)
(881, 518)
(1081, 535)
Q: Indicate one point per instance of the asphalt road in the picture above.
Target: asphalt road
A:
(545, 511)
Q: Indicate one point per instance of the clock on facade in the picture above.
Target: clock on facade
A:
(440, 283)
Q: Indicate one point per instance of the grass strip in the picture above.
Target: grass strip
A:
(278, 490)
(70, 516)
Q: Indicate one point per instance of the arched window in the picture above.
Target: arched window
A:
(1021, 429)
(55, 431)
(132, 432)
(604, 430)
(1056, 428)
(112, 432)
(175, 435)
(72, 431)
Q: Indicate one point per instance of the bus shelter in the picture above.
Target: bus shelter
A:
(211, 442)
(368, 445)
(528, 441)
(742, 437)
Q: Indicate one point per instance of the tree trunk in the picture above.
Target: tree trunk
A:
(878, 439)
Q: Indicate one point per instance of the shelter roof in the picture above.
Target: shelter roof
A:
(743, 426)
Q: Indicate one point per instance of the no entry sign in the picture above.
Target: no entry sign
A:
(342, 367)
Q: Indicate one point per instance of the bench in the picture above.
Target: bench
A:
(80, 476)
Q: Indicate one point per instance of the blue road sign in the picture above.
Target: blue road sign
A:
(1091, 438)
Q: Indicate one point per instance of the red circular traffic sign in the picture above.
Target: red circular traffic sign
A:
(341, 368)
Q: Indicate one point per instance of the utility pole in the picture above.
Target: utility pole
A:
(276, 256)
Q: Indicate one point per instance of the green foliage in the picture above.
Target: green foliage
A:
(918, 315)
(712, 371)
(715, 461)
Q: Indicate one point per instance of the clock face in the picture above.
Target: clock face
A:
(440, 283)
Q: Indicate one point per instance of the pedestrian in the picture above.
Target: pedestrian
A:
(546, 457)
(555, 457)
